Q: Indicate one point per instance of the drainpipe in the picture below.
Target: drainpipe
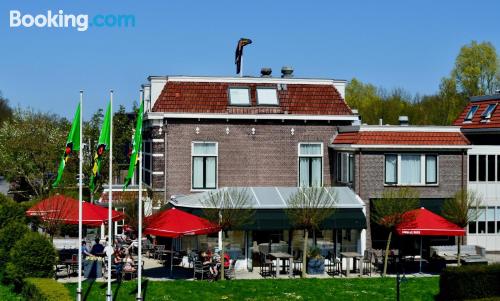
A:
(165, 157)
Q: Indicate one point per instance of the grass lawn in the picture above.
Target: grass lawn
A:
(6, 294)
(269, 289)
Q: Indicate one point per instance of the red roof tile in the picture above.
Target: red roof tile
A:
(477, 122)
(401, 138)
(212, 97)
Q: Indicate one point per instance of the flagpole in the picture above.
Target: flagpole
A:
(139, 234)
(241, 63)
(110, 196)
(80, 199)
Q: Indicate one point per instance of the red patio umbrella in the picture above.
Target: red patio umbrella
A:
(426, 223)
(65, 209)
(175, 223)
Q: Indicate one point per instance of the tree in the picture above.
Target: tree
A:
(364, 98)
(460, 210)
(8, 237)
(477, 69)
(229, 208)
(31, 256)
(11, 212)
(5, 110)
(31, 144)
(388, 211)
(307, 209)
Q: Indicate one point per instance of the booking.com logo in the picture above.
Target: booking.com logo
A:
(81, 22)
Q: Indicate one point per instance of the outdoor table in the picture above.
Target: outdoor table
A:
(348, 256)
(282, 256)
(68, 263)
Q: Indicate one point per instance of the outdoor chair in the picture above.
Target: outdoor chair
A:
(132, 274)
(159, 251)
(229, 272)
(267, 267)
(201, 269)
(297, 262)
(367, 262)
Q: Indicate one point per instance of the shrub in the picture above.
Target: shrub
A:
(44, 289)
(32, 256)
(10, 211)
(470, 282)
(8, 237)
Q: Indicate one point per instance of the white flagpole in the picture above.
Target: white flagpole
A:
(241, 63)
(110, 195)
(80, 199)
(139, 231)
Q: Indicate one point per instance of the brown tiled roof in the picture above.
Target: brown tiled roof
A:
(477, 122)
(401, 138)
(212, 97)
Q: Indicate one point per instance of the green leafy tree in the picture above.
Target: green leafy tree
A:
(31, 144)
(5, 109)
(229, 208)
(388, 212)
(477, 69)
(307, 209)
(31, 256)
(11, 211)
(9, 234)
(364, 98)
(460, 210)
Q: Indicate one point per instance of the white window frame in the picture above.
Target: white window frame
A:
(471, 113)
(345, 174)
(205, 155)
(310, 156)
(239, 104)
(267, 104)
(423, 171)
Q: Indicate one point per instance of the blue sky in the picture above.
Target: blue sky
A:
(406, 44)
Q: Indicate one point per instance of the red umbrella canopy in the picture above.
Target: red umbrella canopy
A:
(175, 223)
(424, 222)
(65, 209)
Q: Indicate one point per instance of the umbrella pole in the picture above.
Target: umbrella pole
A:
(420, 262)
(171, 256)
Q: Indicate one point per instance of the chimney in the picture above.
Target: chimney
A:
(266, 72)
(403, 120)
(286, 72)
(381, 121)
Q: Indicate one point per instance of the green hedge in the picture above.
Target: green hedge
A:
(470, 282)
(45, 289)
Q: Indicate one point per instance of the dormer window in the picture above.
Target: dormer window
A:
(239, 96)
(471, 113)
(489, 110)
(267, 97)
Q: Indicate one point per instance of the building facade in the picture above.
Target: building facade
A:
(480, 122)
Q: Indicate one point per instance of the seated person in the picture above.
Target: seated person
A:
(97, 248)
(128, 265)
(118, 257)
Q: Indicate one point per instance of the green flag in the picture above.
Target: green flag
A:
(72, 144)
(136, 147)
(102, 146)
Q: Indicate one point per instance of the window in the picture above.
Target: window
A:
(310, 164)
(482, 168)
(411, 169)
(488, 221)
(204, 164)
(267, 96)
(491, 168)
(489, 110)
(391, 169)
(239, 96)
(471, 113)
(345, 165)
(472, 168)
(431, 169)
